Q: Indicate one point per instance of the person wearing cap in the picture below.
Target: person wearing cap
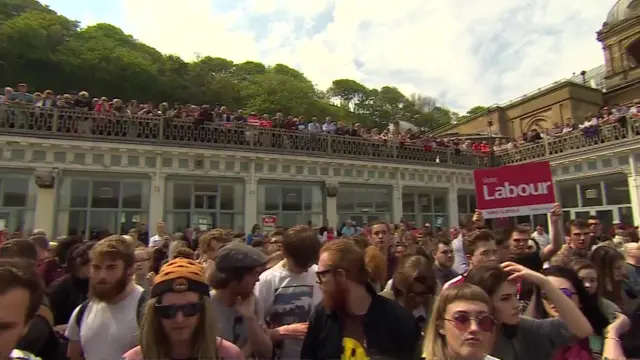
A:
(179, 320)
(240, 319)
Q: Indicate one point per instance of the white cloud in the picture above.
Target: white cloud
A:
(464, 52)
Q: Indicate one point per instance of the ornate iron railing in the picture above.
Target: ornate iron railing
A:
(572, 142)
(30, 121)
(54, 123)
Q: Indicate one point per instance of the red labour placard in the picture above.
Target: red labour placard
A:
(515, 190)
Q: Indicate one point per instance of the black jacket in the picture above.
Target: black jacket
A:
(390, 330)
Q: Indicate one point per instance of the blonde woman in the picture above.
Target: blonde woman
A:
(461, 325)
(178, 320)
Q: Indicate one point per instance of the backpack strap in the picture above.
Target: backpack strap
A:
(80, 314)
(46, 313)
(142, 301)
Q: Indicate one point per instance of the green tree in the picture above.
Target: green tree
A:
(348, 91)
(49, 51)
(476, 109)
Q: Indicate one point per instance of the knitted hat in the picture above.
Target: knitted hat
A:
(180, 275)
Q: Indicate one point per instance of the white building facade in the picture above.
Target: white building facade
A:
(117, 174)
(116, 186)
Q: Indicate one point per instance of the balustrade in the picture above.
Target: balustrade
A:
(574, 141)
(54, 123)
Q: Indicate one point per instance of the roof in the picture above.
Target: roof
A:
(593, 77)
(622, 10)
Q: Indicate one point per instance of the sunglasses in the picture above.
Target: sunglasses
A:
(171, 311)
(462, 322)
(567, 292)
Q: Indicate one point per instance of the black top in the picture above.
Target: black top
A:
(390, 332)
(65, 295)
(40, 339)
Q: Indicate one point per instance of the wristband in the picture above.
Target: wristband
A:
(612, 338)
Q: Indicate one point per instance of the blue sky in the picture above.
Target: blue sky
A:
(462, 52)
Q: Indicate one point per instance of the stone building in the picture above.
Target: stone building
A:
(617, 82)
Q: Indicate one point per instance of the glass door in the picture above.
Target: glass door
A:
(205, 207)
(204, 221)
(361, 219)
(606, 219)
(584, 215)
(607, 215)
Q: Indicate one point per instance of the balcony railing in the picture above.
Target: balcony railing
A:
(52, 123)
(573, 142)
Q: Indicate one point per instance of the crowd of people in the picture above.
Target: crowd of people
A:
(379, 292)
(616, 114)
(207, 115)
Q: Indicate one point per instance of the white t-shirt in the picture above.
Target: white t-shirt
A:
(155, 241)
(287, 298)
(107, 330)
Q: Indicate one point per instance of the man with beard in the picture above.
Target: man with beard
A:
(105, 327)
(353, 321)
(288, 291)
(240, 319)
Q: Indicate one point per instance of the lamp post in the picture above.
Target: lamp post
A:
(491, 153)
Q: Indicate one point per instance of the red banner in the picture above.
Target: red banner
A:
(515, 190)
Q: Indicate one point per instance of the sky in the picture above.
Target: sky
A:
(461, 52)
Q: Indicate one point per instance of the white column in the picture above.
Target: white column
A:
(332, 205)
(452, 204)
(634, 189)
(396, 200)
(156, 201)
(251, 199)
(45, 211)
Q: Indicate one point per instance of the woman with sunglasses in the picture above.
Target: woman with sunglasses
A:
(568, 282)
(178, 319)
(461, 325)
(523, 338)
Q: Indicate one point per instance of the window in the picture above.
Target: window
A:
(463, 204)
(15, 192)
(291, 203)
(112, 205)
(591, 194)
(617, 192)
(466, 207)
(204, 205)
(425, 207)
(634, 52)
(17, 201)
(364, 202)
(568, 196)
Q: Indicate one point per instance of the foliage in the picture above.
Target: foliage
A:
(476, 109)
(49, 51)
